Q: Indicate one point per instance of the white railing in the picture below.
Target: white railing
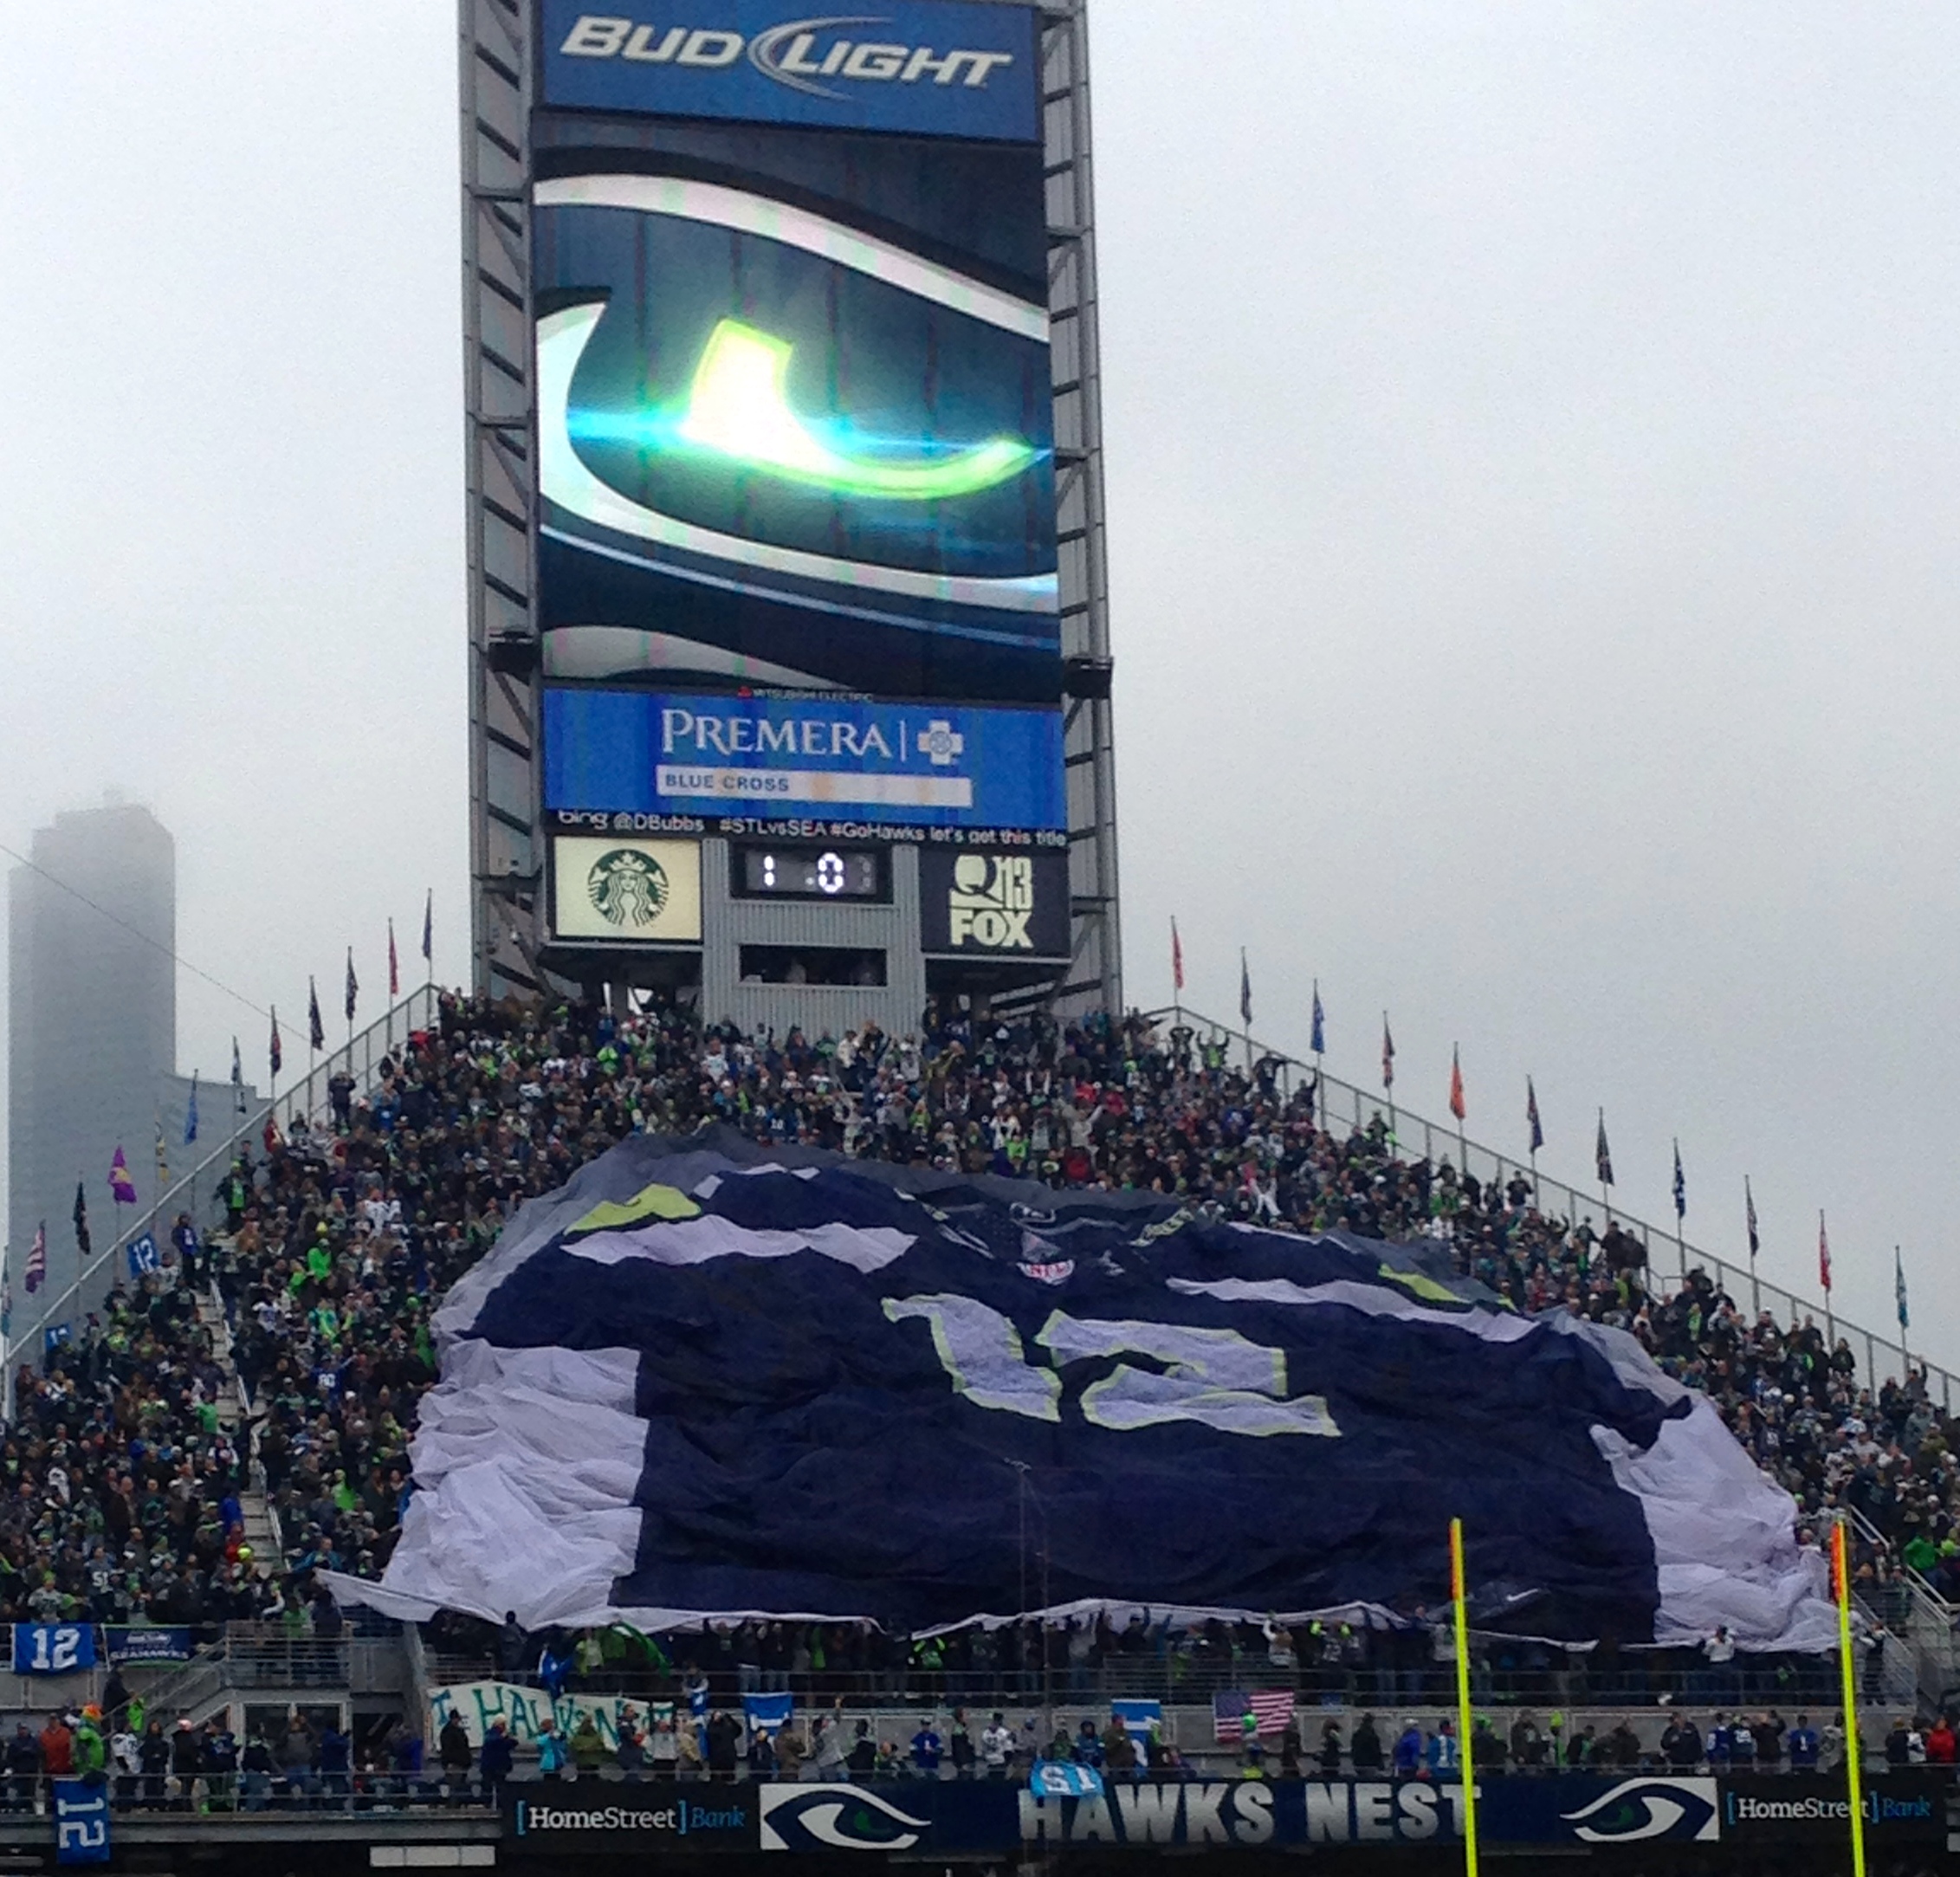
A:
(360, 1057)
(1341, 1103)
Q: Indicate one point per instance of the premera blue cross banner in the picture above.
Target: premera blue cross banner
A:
(609, 753)
(932, 67)
(695, 1384)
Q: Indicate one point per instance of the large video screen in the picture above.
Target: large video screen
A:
(794, 396)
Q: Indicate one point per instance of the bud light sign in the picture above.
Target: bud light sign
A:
(933, 67)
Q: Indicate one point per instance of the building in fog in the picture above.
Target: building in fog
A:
(92, 1029)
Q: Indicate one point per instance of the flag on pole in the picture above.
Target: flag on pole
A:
(353, 985)
(120, 1184)
(1898, 1288)
(1823, 1253)
(1177, 958)
(429, 928)
(1244, 991)
(1455, 1085)
(316, 1031)
(37, 1259)
(394, 970)
(1319, 1041)
(81, 1239)
(1602, 1154)
(1531, 1116)
(1680, 1186)
(238, 1079)
(190, 1113)
(1748, 1213)
(1387, 1054)
(273, 1053)
(163, 1162)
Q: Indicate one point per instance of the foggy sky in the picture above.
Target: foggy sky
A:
(1532, 474)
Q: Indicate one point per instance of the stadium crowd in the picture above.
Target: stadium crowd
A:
(335, 1243)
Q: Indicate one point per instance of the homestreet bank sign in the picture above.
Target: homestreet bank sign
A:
(937, 67)
(991, 1818)
(706, 1819)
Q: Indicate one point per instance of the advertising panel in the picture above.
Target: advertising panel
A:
(769, 759)
(624, 890)
(794, 396)
(636, 1818)
(983, 1817)
(940, 69)
(978, 904)
(1815, 1809)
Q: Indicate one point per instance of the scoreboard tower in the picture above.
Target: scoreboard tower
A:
(789, 666)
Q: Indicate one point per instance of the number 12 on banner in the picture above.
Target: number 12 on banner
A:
(53, 1649)
(81, 1823)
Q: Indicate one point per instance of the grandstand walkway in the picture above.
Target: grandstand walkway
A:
(262, 1531)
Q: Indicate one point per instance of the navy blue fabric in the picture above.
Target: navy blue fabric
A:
(805, 1454)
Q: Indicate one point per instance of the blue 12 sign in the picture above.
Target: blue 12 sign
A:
(53, 1649)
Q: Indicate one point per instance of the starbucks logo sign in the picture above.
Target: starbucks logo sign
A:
(628, 889)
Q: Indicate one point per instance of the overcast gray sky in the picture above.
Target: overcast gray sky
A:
(1533, 464)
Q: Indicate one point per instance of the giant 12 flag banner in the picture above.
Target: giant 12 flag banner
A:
(697, 1383)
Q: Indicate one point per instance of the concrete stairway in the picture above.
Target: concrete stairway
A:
(261, 1533)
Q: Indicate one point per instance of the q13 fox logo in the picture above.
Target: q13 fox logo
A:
(991, 900)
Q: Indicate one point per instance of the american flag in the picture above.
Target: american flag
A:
(1271, 1712)
(37, 1260)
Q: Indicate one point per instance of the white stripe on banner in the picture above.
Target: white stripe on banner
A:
(524, 1458)
(694, 1242)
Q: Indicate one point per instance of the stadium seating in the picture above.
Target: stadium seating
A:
(131, 1472)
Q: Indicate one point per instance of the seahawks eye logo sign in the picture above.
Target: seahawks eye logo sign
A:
(1638, 1808)
(834, 1818)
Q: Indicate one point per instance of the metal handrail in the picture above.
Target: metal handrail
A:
(1337, 1098)
(307, 1097)
(1923, 1591)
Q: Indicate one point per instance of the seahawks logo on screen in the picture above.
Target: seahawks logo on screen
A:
(1637, 1809)
(627, 888)
(834, 1818)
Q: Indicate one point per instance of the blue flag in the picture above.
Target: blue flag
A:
(1898, 1287)
(768, 1713)
(1245, 990)
(896, 1345)
(1064, 1779)
(142, 1255)
(555, 1670)
(1531, 1116)
(81, 1821)
(1319, 1042)
(1680, 1186)
(53, 1649)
